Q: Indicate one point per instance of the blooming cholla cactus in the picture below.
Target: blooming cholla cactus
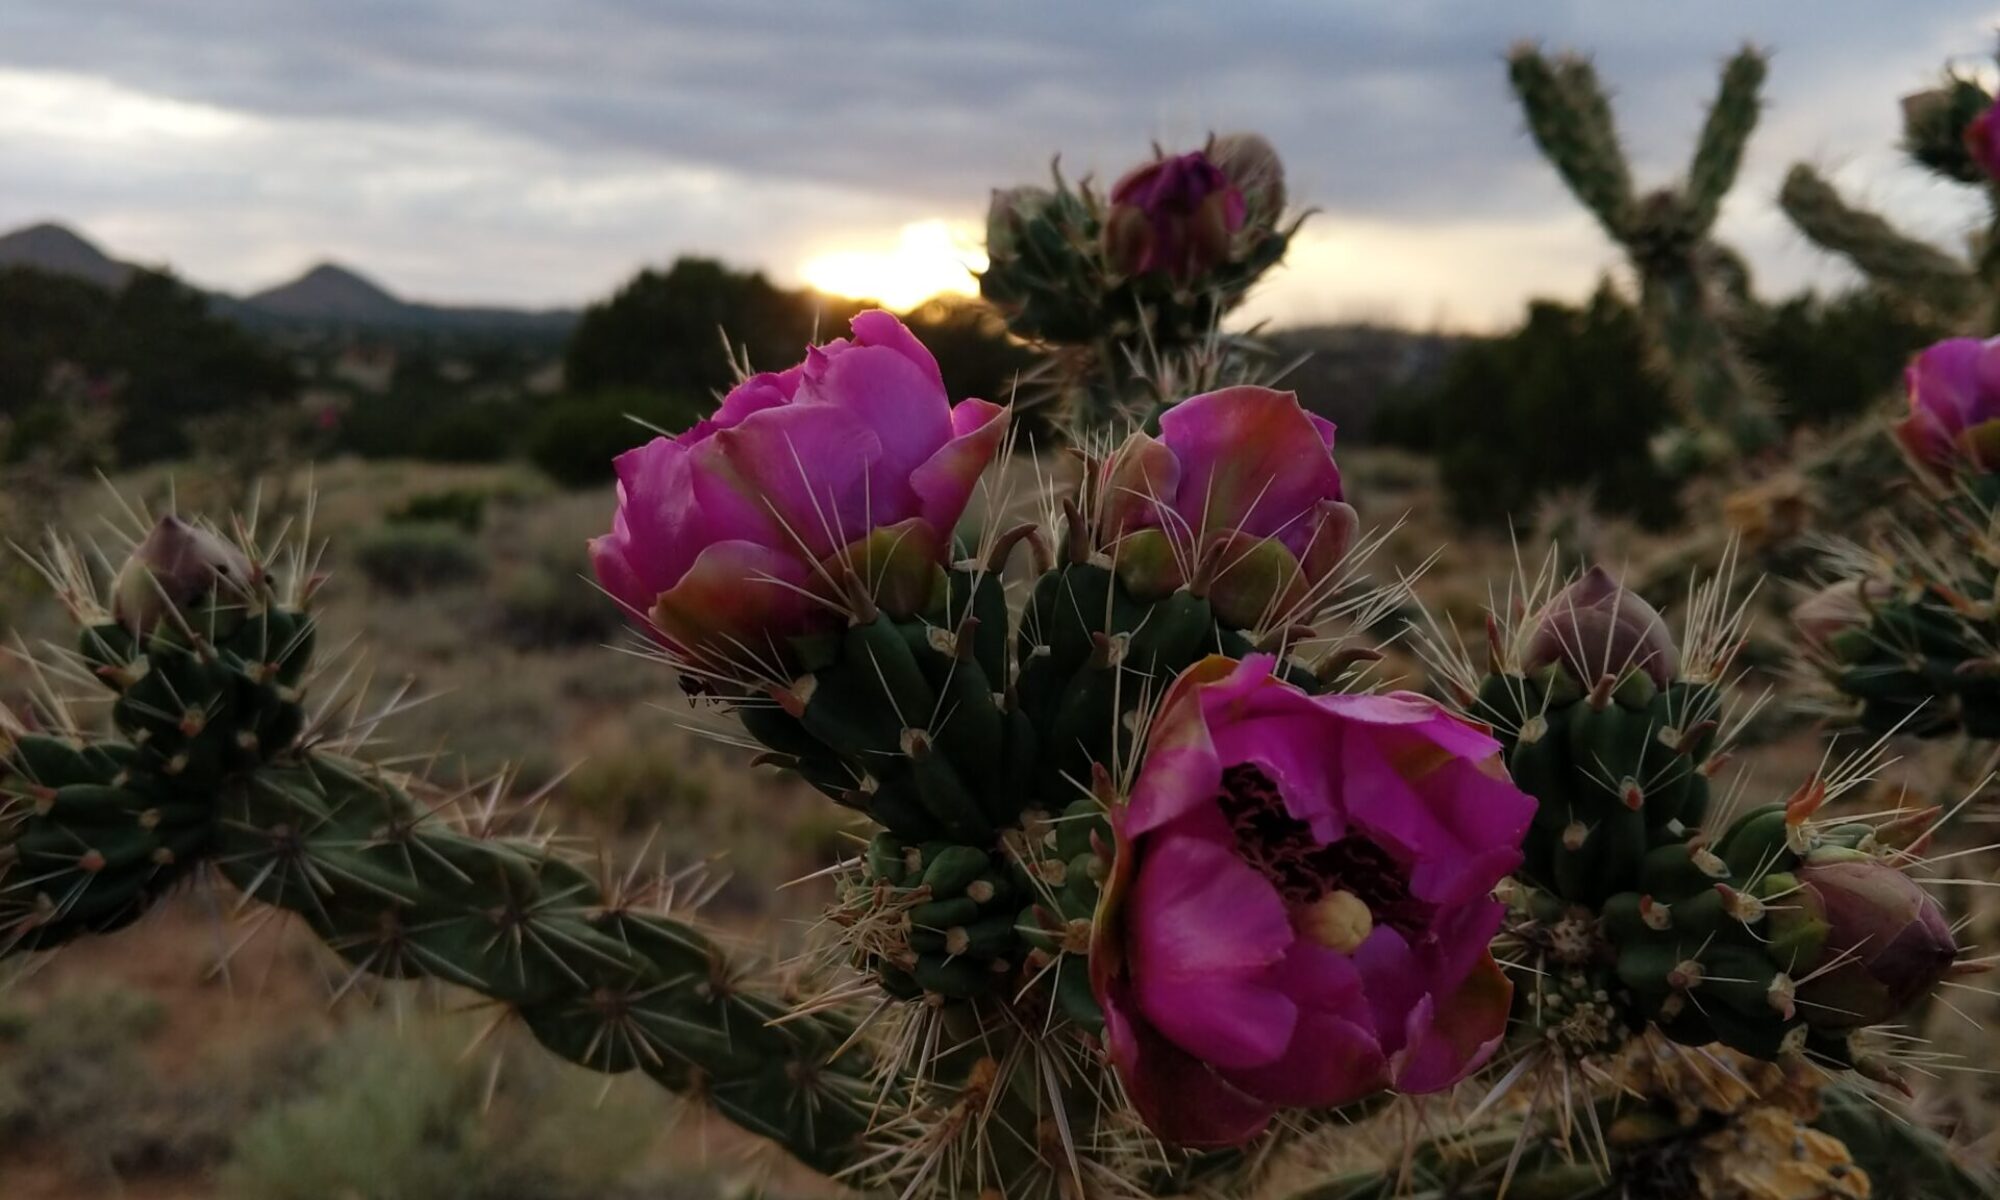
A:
(1155, 893)
(1909, 634)
(1127, 291)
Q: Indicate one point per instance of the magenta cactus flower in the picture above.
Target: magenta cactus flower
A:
(1982, 141)
(1301, 903)
(849, 469)
(1954, 419)
(1174, 215)
(1595, 627)
(1239, 495)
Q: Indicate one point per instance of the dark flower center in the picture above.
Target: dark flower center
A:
(1304, 871)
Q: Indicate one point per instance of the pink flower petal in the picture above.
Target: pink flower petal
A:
(795, 477)
(944, 483)
(1182, 1100)
(736, 602)
(1449, 1037)
(1251, 460)
(1140, 483)
(1333, 1057)
(1205, 929)
(893, 398)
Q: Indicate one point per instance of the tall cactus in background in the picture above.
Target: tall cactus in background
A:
(1693, 291)
(1949, 130)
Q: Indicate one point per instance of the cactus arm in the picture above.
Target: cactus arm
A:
(1903, 1161)
(1731, 119)
(1570, 120)
(1890, 259)
(95, 827)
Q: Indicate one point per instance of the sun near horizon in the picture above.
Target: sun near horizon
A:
(926, 258)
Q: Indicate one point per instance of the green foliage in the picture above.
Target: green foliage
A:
(415, 556)
(152, 345)
(1833, 358)
(1562, 402)
(542, 606)
(663, 331)
(390, 1117)
(575, 440)
(637, 787)
(463, 507)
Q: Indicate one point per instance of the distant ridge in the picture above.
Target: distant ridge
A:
(327, 295)
(60, 250)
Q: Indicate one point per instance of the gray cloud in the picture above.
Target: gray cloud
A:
(762, 127)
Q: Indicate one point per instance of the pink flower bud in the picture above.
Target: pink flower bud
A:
(1239, 496)
(1595, 627)
(1173, 215)
(1954, 418)
(174, 567)
(1886, 944)
(755, 525)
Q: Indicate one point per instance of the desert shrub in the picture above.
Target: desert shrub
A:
(542, 606)
(418, 556)
(74, 1075)
(634, 787)
(575, 438)
(1565, 401)
(406, 1116)
(463, 507)
(1832, 358)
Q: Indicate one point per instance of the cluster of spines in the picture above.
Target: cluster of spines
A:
(103, 826)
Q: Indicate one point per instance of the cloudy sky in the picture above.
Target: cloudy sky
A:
(521, 151)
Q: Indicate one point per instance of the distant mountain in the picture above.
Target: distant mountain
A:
(60, 251)
(331, 293)
(327, 296)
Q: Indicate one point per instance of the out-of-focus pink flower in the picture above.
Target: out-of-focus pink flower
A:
(1176, 215)
(1300, 907)
(1982, 141)
(1240, 491)
(850, 469)
(1954, 419)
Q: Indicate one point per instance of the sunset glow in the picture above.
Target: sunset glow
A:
(928, 258)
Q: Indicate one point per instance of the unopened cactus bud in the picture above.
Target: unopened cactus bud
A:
(1938, 128)
(1982, 139)
(1253, 165)
(176, 565)
(1595, 627)
(1174, 215)
(1008, 216)
(1827, 618)
(1885, 942)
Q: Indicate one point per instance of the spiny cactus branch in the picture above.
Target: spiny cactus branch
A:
(1917, 273)
(1570, 120)
(1731, 119)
